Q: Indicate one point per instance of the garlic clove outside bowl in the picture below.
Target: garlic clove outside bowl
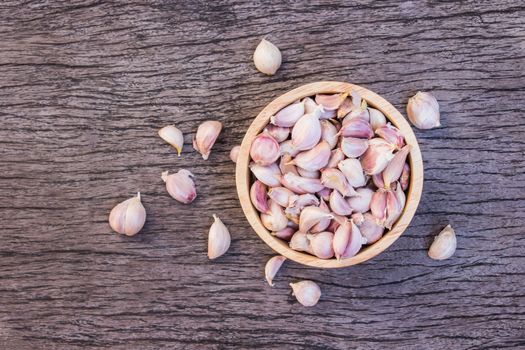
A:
(243, 174)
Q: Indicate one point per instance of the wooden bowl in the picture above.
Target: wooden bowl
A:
(243, 174)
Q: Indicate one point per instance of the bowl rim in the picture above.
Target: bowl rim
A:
(242, 173)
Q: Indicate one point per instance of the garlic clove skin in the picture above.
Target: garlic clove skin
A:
(444, 244)
(307, 293)
(267, 57)
(218, 239)
(335, 157)
(393, 170)
(355, 243)
(258, 197)
(391, 134)
(405, 177)
(284, 234)
(339, 205)
(269, 175)
(341, 239)
(335, 179)
(289, 115)
(311, 216)
(306, 133)
(356, 127)
(300, 243)
(316, 174)
(314, 159)
(206, 136)
(423, 111)
(282, 196)
(377, 119)
(329, 133)
(275, 220)
(323, 224)
(173, 136)
(368, 226)
(322, 244)
(280, 134)
(360, 203)
(272, 267)
(234, 153)
(180, 186)
(128, 217)
(378, 205)
(353, 147)
(286, 147)
(286, 165)
(353, 171)
(301, 185)
(264, 150)
(330, 102)
(377, 156)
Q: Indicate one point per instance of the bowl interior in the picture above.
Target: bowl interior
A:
(413, 195)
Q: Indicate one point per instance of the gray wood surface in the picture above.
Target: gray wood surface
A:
(84, 86)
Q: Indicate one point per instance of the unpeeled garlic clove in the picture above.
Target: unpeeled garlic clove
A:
(338, 204)
(334, 225)
(355, 243)
(286, 147)
(377, 119)
(280, 134)
(309, 105)
(444, 244)
(329, 133)
(180, 186)
(353, 147)
(361, 201)
(357, 113)
(353, 171)
(272, 267)
(335, 179)
(275, 220)
(218, 239)
(315, 158)
(264, 149)
(368, 226)
(391, 134)
(377, 156)
(281, 195)
(327, 114)
(401, 198)
(330, 102)
(311, 216)
(286, 165)
(378, 205)
(234, 153)
(341, 239)
(377, 179)
(128, 217)
(423, 111)
(393, 209)
(173, 136)
(304, 200)
(405, 177)
(324, 194)
(393, 170)
(307, 293)
(323, 224)
(306, 133)
(206, 136)
(267, 57)
(300, 243)
(346, 107)
(322, 244)
(316, 174)
(284, 234)
(301, 185)
(269, 175)
(335, 157)
(289, 115)
(258, 197)
(358, 128)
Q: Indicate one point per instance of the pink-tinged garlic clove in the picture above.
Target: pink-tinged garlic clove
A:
(311, 216)
(286, 147)
(272, 267)
(335, 179)
(377, 119)
(361, 201)
(258, 197)
(393, 170)
(180, 186)
(323, 224)
(378, 205)
(377, 179)
(322, 244)
(284, 234)
(423, 111)
(341, 239)
(269, 175)
(280, 134)
(309, 105)
(401, 198)
(405, 177)
(330, 102)
(370, 229)
(353, 147)
(309, 174)
(335, 157)
(358, 128)
(234, 153)
(444, 244)
(377, 156)
(307, 293)
(286, 166)
(357, 114)
(355, 244)
(315, 158)
(353, 171)
(327, 114)
(300, 243)
(393, 209)
(206, 136)
(264, 150)
(329, 133)
(391, 134)
(339, 205)
(301, 185)
(218, 239)
(301, 201)
(281, 195)
(128, 217)
(275, 220)
(324, 194)
(306, 133)
(346, 107)
(334, 225)
(288, 116)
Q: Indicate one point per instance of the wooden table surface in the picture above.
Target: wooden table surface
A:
(84, 87)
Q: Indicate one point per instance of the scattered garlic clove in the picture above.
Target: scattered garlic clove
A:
(311, 216)
(353, 171)
(322, 244)
(275, 220)
(338, 204)
(335, 157)
(393, 170)
(264, 149)
(234, 153)
(300, 243)
(335, 179)
(269, 175)
(307, 293)
(218, 239)
(358, 128)
(393, 209)
(301, 185)
(368, 226)
(173, 136)
(286, 147)
(306, 133)
(391, 134)
(405, 177)
(329, 133)
(258, 197)
(355, 243)
(286, 165)
(272, 267)
(353, 147)
(206, 136)
(289, 115)
(128, 217)
(284, 234)
(377, 119)
(444, 244)
(267, 57)
(423, 111)
(377, 156)
(180, 186)
(330, 102)
(281, 195)
(323, 224)
(361, 201)
(315, 158)
(341, 239)
(316, 174)
(280, 134)
(378, 205)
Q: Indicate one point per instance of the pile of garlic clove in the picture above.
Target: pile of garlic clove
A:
(330, 175)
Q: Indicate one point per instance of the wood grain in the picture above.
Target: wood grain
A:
(85, 85)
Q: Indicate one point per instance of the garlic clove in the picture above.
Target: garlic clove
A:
(315, 158)
(346, 107)
(353, 147)
(258, 197)
(355, 243)
(173, 136)
(286, 165)
(361, 201)
(335, 179)
(358, 128)
(234, 153)
(357, 113)
(206, 136)
(267, 57)
(180, 186)
(309, 105)
(370, 229)
(128, 217)
(272, 267)
(391, 134)
(286, 147)
(280, 134)
(281, 195)
(324, 194)
(353, 171)
(356, 99)
(284, 234)
(302, 201)
(326, 114)
(275, 220)
(316, 174)
(218, 239)
(338, 204)
(323, 224)
(444, 244)
(311, 216)
(423, 111)
(329, 133)
(330, 102)
(393, 170)
(335, 157)
(301, 185)
(377, 119)
(377, 179)
(269, 175)
(405, 177)
(401, 198)
(378, 205)
(264, 149)
(341, 239)
(300, 243)
(306, 133)
(307, 293)
(322, 244)
(289, 115)
(334, 225)
(393, 209)
(377, 156)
